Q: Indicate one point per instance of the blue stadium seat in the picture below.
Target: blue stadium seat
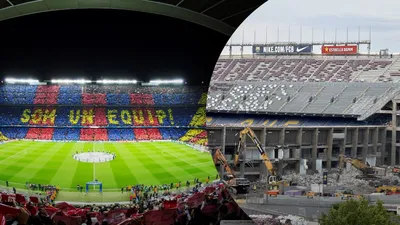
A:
(69, 134)
(121, 135)
(14, 132)
(70, 95)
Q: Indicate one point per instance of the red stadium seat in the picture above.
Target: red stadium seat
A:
(94, 99)
(142, 99)
(46, 94)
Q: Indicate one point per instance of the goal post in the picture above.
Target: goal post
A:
(94, 183)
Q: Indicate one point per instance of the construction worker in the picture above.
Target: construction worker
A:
(255, 188)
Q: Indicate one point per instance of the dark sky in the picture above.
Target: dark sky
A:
(107, 43)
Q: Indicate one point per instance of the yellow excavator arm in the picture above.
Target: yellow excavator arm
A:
(219, 157)
(249, 132)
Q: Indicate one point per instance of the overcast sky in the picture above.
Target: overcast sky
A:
(382, 16)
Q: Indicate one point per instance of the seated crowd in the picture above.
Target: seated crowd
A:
(204, 204)
(100, 95)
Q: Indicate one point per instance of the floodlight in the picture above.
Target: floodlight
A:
(158, 82)
(13, 81)
(116, 81)
(66, 81)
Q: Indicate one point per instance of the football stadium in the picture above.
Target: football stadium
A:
(74, 120)
(103, 114)
(290, 115)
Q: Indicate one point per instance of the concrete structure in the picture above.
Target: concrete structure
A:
(311, 122)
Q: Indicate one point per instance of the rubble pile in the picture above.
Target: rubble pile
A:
(280, 220)
(347, 180)
(393, 178)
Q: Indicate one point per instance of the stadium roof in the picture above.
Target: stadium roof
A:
(220, 15)
(360, 100)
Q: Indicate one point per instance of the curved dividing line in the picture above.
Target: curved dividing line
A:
(146, 7)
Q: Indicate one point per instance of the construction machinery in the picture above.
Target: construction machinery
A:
(274, 178)
(368, 172)
(241, 185)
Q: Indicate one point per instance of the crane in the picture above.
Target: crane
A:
(242, 185)
(271, 169)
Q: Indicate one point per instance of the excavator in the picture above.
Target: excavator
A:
(368, 172)
(274, 178)
(241, 185)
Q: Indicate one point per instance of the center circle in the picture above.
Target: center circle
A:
(94, 157)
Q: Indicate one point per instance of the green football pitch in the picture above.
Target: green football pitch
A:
(148, 163)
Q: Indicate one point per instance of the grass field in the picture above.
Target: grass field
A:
(146, 163)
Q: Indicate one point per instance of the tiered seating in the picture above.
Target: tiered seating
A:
(121, 135)
(43, 116)
(70, 95)
(3, 137)
(200, 139)
(40, 133)
(69, 134)
(302, 69)
(176, 99)
(94, 99)
(93, 134)
(172, 133)
(100, 112)
(142, 99)
(154, 134)
(339, 98)
(141, 134)
(17, 94)
(14, 133)
(118, 99)
(46, 94)
(192, 133)
(199, 119)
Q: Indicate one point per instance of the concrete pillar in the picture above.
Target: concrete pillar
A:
(365, 143)
(282, 137)
(383, 136)
(343, 145)
(263, 136)
(375, 136)
(299, 141)
(394, 134)
(329, 150)
(314, 150)
(282, 134)
(223, 144)
(354, 143)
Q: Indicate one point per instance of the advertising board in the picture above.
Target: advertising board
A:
(282, 49)
(339, 50)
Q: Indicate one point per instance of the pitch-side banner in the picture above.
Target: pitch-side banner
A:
(339, 50)
(282, 49)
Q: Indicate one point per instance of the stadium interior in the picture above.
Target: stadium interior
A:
(96, 40)
(103, 112)
(314, 106)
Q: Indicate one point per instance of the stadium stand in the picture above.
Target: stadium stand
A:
(323, 105)
(359, 100)
(307, 69)
(152, 205)
(102, 112)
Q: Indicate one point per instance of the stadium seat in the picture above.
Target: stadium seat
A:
(104, 107)
(46, 94)
(303, 69)
(70, 95)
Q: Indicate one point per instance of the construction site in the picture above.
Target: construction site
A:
(346, 143)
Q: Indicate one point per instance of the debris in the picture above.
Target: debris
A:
(280, 220)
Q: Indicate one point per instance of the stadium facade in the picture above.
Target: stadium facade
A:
(312, 107)
(103, 113)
